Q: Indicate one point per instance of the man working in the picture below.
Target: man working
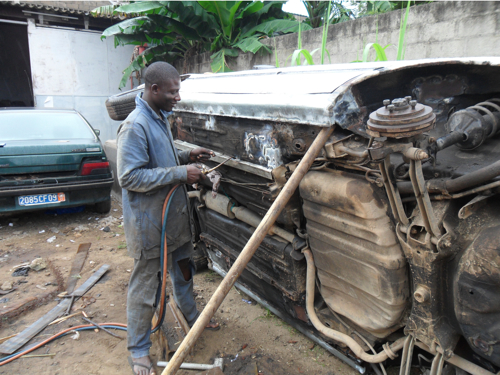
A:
(148, 167)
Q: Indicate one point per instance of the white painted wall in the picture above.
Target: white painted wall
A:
(75, 69)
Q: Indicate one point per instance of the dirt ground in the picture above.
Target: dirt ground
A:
(251, 339)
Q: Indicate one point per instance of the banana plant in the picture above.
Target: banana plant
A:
(178, 29)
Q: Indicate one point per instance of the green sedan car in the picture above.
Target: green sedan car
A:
(50, 159)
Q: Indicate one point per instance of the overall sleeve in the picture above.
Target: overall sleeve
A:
(133, 159)
(183, 156)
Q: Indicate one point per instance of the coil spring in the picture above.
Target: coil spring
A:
(481, 107)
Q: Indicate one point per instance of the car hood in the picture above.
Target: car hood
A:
(314, 95)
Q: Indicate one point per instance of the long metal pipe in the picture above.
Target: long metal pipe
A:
(248, 251)
(337, 335)
(24, 23)
(474, 178)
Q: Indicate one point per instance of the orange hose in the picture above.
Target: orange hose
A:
(165, 262)
(55, 336)
(162, 295)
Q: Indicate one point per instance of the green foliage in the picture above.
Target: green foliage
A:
(367, 8)
(380, 54)
(308, 56)
(178, 29)
(402, 30)
(337, 12)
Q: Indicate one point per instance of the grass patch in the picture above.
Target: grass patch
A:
(211, 276)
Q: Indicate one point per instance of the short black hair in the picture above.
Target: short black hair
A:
(160, 72)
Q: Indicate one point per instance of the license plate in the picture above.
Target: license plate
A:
(33, 200)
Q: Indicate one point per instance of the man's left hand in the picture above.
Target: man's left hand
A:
(200, 154)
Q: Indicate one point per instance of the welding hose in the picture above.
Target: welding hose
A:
(160, 298)
(67, 331)
(389, 350)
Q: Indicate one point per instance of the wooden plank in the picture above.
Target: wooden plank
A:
(13, 344)
(76, 267)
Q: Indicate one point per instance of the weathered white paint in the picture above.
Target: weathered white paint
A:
(76, 69)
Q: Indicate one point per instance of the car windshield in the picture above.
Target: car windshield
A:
(31, 125)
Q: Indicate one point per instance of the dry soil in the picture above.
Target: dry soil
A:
(251, 338)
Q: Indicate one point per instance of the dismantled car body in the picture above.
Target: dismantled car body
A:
(398, 217)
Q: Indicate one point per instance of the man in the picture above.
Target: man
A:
(149, 166)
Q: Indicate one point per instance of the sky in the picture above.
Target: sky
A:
(295, 7)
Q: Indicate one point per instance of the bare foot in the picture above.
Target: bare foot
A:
(212, 325)
(142, 366)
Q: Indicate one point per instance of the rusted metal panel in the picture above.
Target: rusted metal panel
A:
(476, 296)
(361, 267)
(312, 95)
(238, 164)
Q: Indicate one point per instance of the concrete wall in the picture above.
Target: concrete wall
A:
(75, 69)
(438, 29)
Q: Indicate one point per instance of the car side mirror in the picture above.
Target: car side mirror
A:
(97, 132)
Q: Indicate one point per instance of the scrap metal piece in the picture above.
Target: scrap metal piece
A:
(13, 344)
(471, 207)
(76, 267)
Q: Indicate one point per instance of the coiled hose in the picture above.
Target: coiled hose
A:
(160, 295)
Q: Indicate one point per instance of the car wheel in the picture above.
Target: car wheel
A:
(119, 106)
(103, 207)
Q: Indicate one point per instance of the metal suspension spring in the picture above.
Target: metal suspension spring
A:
(482, 107)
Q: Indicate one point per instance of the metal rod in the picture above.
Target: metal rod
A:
(188, 366)
(104, 329)
(14, 22)
(217, 166)
(248, 251)
(458, 195)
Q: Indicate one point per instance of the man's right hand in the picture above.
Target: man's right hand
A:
(194, 174)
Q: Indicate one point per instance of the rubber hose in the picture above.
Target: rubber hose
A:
(160, 300)
(336, 335)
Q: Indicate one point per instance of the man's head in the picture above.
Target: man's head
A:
(162, 86)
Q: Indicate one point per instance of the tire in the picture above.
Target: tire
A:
(103, 207)
(119, 106)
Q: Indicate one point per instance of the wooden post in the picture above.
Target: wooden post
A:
(247, 252)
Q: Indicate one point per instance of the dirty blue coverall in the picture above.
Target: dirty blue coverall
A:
(148, 167)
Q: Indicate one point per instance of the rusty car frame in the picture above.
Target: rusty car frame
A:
(391, 244)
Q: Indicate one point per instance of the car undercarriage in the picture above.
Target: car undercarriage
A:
(391, 244)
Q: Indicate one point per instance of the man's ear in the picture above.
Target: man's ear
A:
(155, 88)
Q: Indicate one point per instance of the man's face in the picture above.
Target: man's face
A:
(167, 94)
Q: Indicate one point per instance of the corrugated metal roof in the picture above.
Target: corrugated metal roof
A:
(40, 6)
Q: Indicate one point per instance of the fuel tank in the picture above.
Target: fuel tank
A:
(362, 270)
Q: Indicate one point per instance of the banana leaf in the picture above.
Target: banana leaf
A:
(219, 64)
(276, 26)
(140, 7)
(251, 44)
